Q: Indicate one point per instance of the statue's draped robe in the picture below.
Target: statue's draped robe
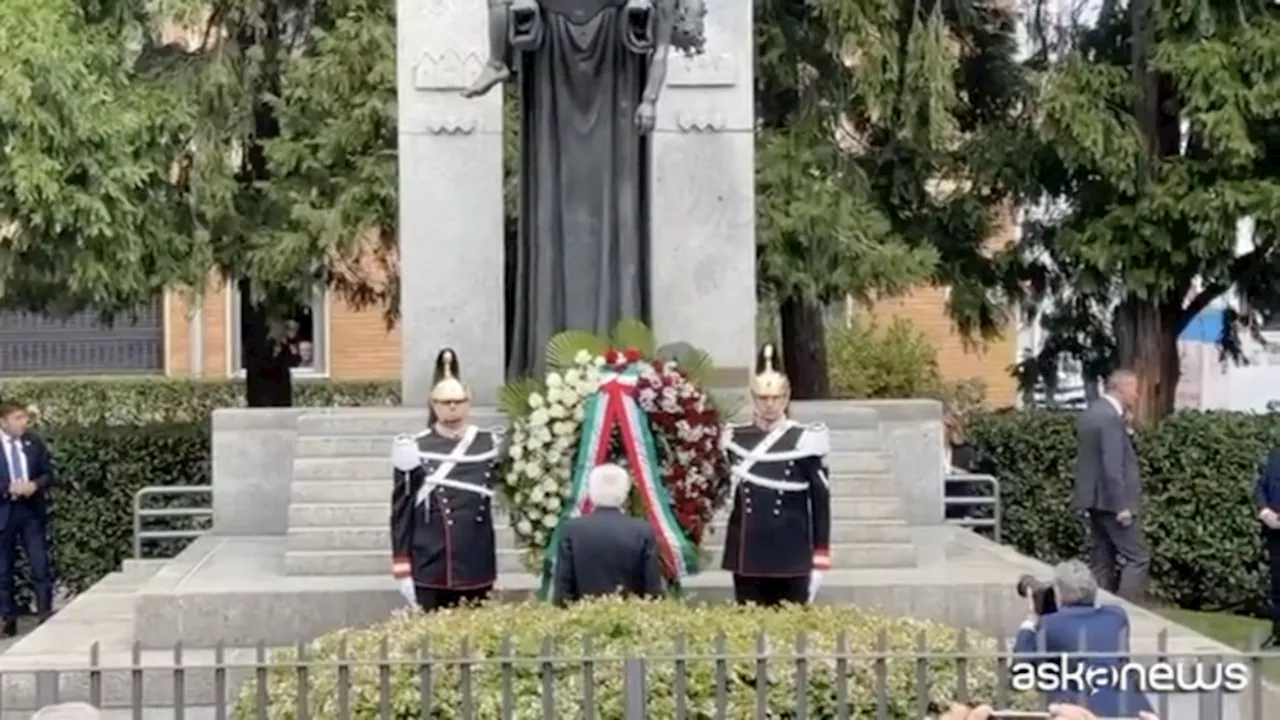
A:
(581, 257)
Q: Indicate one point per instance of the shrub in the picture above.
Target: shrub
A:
(1198, 473)
(99, 470)
(868, 362)
(617, 629)
(141, 401)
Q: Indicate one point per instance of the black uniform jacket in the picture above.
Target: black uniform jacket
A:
(606, 552)
(442, 512)
(780, 525)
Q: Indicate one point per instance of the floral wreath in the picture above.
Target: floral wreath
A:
(643, 408)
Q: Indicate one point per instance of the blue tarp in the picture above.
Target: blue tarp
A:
(1206, 327)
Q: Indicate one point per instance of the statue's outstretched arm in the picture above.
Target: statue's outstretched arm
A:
(664, 11)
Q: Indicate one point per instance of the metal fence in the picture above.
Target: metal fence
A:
(978, 512)
(200, 516)
(485, 680)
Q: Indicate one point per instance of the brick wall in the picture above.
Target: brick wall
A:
(359, 346)
(926, 309)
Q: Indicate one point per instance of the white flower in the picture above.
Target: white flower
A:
(549, 521)
(554, 503)
(570, 397)
(564, 429)
(599, 361)
(554, 380)
(555, 396)
(539, 537)
(538, 420)
(579, 413)
(582, 358)
(553, 456)
(573, 378)
(524, 527)
(517, 451)
(558, 412)
(533, 471)
(547, 487)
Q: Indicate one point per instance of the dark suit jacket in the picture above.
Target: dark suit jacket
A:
(1084, 629)
(1266, 493)
(1106, 475)
(607, 552)
(39, 471)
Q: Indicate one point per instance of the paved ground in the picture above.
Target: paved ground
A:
(25, 625)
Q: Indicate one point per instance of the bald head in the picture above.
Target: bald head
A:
(1123, 386)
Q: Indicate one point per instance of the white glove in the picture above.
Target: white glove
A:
(404, 454)
(407, 590)
(815, 582)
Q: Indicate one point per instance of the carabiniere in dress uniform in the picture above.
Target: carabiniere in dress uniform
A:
(777, 544)
(442, 538)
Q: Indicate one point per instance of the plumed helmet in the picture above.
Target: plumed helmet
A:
(769, 380)
(447, 384)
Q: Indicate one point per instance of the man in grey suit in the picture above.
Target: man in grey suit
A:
(1108, 489)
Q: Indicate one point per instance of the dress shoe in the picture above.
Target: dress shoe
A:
(10, 628)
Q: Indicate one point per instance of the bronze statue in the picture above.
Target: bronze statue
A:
(590, 73)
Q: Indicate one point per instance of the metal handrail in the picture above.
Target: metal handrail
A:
(140, 513)
(991, 500)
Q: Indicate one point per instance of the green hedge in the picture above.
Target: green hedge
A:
(146, 401)
(99, 471)
(617, 629)
(1198, 474)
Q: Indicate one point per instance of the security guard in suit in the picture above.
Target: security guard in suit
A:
(442, 540)
(778, 540)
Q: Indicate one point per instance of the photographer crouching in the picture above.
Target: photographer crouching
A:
(1065, 626)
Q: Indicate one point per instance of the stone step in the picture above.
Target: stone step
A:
(870, 507)
(378, 562)
(371, 491)
(378, 446)
(377, 537)
(375, 467)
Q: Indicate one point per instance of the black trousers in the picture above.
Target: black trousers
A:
(770, 591)
(1271, 540)
(430, 599)
(28, 527)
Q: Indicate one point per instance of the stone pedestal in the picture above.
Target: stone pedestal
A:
(450, 163)
(703, 245)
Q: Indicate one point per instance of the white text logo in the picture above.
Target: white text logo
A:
(1065, 674)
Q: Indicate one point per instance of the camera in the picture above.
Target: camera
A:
(1043, 598)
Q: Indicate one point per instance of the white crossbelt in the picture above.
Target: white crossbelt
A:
(440, 476)
(741, 471)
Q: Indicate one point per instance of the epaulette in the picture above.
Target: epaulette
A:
(815, 441)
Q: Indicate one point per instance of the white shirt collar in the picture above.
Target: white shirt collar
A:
(1115, 404)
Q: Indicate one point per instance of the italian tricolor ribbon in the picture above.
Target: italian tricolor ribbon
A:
(614, 406)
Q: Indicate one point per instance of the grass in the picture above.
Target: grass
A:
(1237, 631)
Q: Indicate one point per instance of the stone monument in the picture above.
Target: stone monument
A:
(671, 238)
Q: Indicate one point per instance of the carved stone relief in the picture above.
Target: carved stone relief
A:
(446, 71)
(706, 70)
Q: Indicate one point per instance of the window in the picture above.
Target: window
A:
(32, 344)
(306, 333)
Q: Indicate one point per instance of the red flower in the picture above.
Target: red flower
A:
(611, 357)
(632, 355)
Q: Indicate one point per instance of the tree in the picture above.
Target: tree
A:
(1152, 140)
(870, 113)
(258, 145)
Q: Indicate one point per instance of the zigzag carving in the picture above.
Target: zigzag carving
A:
(706, 70)
(688, 122)
(451, 125)
(448, 70)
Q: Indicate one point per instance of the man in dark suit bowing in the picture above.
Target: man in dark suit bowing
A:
(26, 474)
